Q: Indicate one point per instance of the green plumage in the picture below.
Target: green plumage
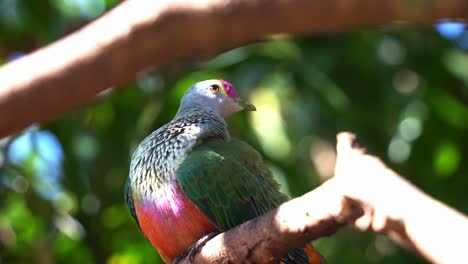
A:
(228, 182)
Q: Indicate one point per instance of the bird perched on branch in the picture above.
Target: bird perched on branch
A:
(190, 179)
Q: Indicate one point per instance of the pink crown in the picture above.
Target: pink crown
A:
(230, 90)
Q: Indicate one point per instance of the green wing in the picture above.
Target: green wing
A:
(228, 182)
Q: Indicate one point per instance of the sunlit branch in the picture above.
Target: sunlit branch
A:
(364, 193)
(137, 34)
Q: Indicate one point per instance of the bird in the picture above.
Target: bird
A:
(190, 178)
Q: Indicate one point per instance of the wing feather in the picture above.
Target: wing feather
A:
(229, 183)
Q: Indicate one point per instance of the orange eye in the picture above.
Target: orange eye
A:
(214, 88)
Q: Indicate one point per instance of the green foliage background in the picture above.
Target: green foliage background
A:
(403, 90)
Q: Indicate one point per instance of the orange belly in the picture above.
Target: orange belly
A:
(172, 227)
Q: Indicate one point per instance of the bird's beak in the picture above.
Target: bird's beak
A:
(244, 104)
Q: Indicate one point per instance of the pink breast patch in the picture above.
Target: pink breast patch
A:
(230, 90)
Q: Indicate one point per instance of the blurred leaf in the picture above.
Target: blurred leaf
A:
(457, 63)
(26, 227)
(282, 49)
(267, 121)
(446, 159)
(450, 109)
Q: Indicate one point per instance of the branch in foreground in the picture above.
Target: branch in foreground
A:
(138, 34)
(395, 207)
(295, 223)
(362, 184)
(269, 237)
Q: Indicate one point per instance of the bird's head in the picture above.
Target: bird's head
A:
(217, 95)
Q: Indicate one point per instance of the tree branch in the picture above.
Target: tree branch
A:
(395, 207)
(365, 193)
(137, 34)
(269, 237)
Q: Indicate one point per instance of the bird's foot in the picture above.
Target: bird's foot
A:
(195, 248)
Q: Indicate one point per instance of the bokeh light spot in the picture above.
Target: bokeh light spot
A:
(399, 150)
(86, 8)
(450, 29)
(456, 63)
(446, 159)
(85, 147)
(90, 203)
(20, 148)
(410, 128)
(69, 226)
(406, 81)
(113, 216)
(323, 156)
(65, 203)
(391, 51)
(20, 184)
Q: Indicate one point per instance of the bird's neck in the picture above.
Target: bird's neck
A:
(198, 122)
(205, 121)
(189, 108)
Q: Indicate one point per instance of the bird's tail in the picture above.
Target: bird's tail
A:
(313, 255)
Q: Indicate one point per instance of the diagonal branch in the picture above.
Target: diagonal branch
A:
(269, 237)
(137, 34)
(363, 193)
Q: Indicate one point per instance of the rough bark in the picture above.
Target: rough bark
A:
(364, 193)
(269, 237)
(136, 34)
